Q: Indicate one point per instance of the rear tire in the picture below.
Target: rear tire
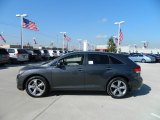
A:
(143, 60)
(37, 86)
(117, 87)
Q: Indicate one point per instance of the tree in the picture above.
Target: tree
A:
(111, 45)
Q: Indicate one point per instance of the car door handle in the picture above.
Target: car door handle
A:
(80, 69)
(108, 68)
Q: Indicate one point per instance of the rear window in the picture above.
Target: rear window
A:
(45, 51)
(22, 51)
(11, 50)
(3, 51)
(114, 60)
(55, 51)
(61, 51)
(37, 51)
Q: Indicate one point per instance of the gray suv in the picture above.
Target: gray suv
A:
(90, 71)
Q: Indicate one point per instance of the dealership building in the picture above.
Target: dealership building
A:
(129, 49)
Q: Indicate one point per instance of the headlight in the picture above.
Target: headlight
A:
(21, 71)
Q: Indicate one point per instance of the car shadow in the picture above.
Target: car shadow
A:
(87, 93)
(145, 89)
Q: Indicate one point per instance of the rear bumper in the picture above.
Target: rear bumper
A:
(136, 83)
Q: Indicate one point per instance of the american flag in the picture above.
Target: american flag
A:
(66, 37)
(2, 38)
(29, 24)
(120, 36)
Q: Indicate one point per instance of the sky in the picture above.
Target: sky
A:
(91, 20)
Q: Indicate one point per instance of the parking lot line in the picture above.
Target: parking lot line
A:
(57, 98)
(155, 115)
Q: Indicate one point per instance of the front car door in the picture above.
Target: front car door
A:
(69, 75)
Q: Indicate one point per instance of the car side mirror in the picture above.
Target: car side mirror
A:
(59, 64)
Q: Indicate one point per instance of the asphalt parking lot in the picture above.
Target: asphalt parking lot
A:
(138, 105)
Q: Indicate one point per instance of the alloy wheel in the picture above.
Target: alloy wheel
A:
(118, 88)
(36, 87)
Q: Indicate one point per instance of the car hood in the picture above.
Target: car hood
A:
(37, 66)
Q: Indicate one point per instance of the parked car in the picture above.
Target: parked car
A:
(92, 71)
(39, 54)
(17, 55)
(45, 54)
(61, 52)
(32, 55)
(156, 56)
(141, 58)
(4, 56)
(51, 54)
(56, 53)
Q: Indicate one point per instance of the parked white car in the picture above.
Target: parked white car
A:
(56, 53)
(18, 55)
(141, 58)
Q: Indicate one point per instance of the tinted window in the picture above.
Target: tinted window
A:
(73, 60)
(11, 50)
(98, 59)
(140, 55)
(3, 51)
(37, 51)
(22, 51)
(45, 51)
(114, 60)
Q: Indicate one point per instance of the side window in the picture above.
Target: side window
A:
(114, 60)
(73, 60)
(140, 55)
(97, 59)
(11, 50)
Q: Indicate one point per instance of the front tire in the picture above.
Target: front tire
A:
(37, 86)
(117, 87)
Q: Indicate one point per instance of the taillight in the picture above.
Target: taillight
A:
(137, 69)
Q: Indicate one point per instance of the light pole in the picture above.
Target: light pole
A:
(80, 41)
(119, 27)
(21, 16)
(63, 39)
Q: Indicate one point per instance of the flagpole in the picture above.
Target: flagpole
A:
(22, 32)
(119, 27)
(63, 39)
(21, 17)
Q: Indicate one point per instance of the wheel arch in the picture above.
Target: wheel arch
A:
(121, 76)
(32, 75)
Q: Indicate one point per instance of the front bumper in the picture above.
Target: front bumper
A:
(20, 82)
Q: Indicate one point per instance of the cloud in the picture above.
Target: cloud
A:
(103, 20)
(101, 36)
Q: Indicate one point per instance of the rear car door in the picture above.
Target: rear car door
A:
(70, 74)
(97, 71)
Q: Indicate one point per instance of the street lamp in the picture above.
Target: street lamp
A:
(63, 39)
(80, 41)
(21, 16)
(119, 27)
